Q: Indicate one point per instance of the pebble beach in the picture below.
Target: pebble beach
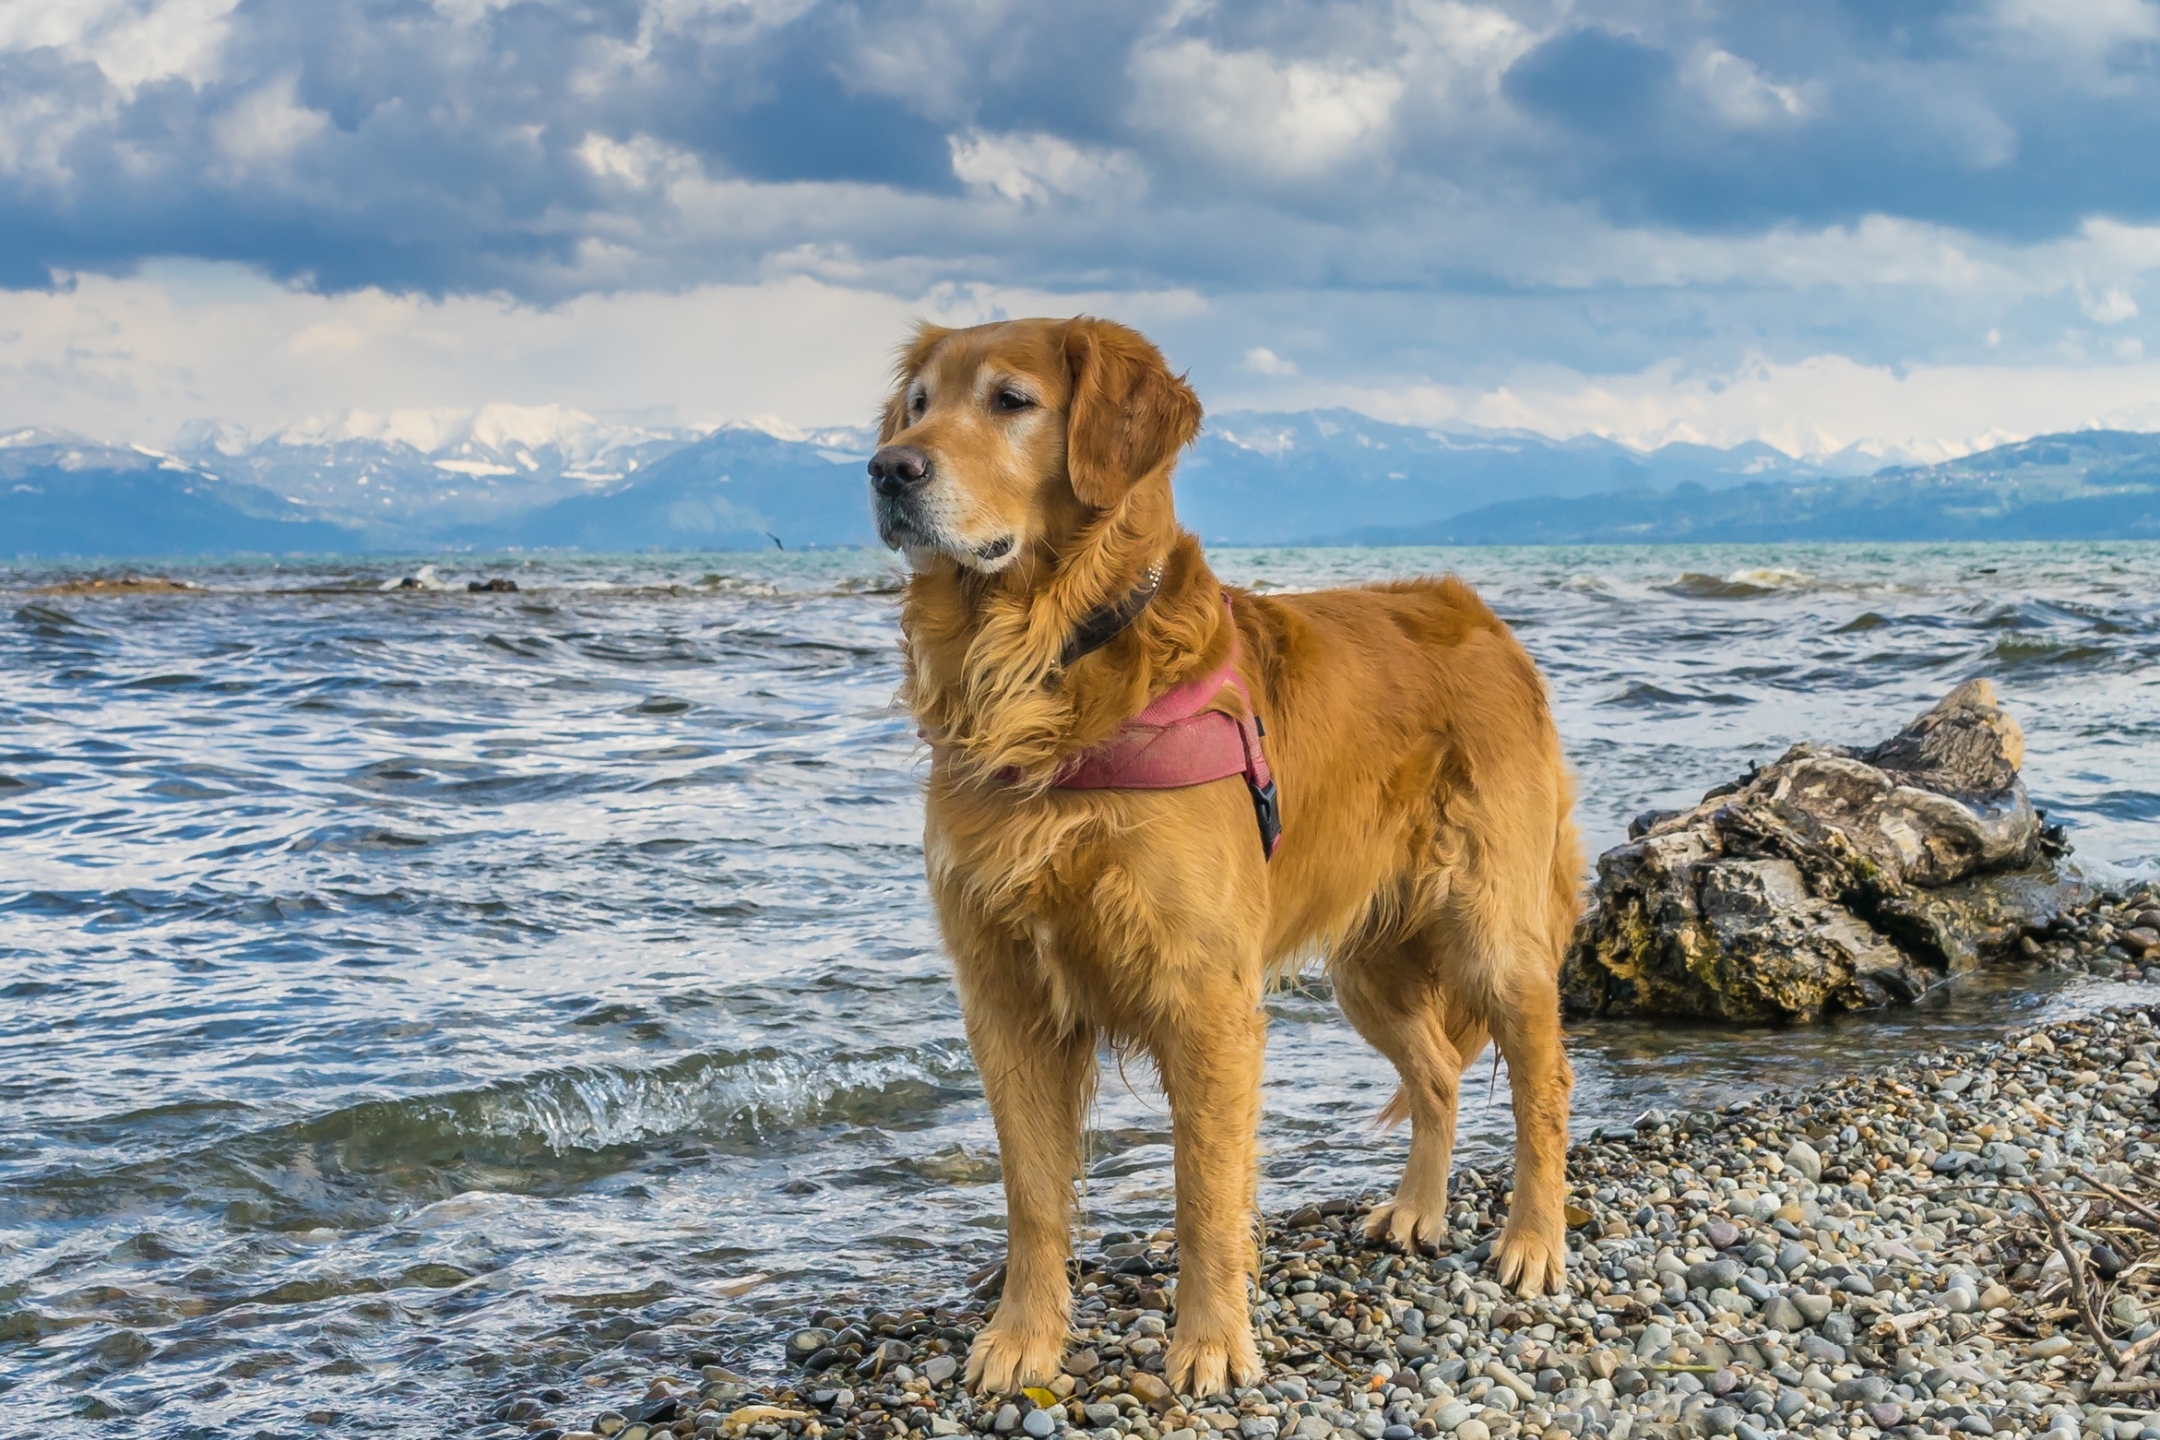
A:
(1966, 1243)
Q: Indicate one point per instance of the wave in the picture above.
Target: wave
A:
(1744, 584)
(544, 1132)
(708, 1095)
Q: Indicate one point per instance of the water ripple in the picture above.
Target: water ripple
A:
(406, 997)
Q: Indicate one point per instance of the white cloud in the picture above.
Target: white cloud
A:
(1815, 406)
(131, 42)
(139, 358)
(641, 162)
(2111, 306)
(1274, 117)
(135, 359)
(1736, 90)
(267, 125)
(2088, 26)
(1036, 169)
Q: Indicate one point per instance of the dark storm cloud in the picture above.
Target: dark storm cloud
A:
(543, 147)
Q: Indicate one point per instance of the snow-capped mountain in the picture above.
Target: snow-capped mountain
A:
(400, 476)
(517, 476)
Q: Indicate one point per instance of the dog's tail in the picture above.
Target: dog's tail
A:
(1394, 1112)
(1565, 887)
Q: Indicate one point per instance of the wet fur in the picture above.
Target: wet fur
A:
(1428, 858)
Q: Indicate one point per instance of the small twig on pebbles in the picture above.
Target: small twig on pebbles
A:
(2135, 1204)
(2124, 1387)
(2080, 1287)
(2135, 1356)
(1899, 1324)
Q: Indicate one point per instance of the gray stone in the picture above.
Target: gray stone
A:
(1861, 1389)
(940, 1368)
(804, 1343)
(1820, 1350)
(1038, 1425)
(1008, 1419)
(1715, 1274)
(1834, 878)
(1782, 1314)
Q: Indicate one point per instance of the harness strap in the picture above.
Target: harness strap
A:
(1176, 742)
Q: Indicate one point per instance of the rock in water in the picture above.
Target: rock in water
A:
(1835, 878)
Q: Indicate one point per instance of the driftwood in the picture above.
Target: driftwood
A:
(1834, 878)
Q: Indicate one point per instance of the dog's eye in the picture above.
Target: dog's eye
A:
(917, 403)
(1013, 400)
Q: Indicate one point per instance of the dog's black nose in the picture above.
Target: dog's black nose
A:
(897, 467)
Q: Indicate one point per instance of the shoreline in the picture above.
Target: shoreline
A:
(1858, 1258)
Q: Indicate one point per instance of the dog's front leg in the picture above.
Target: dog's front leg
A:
(1037, 1081)
(1211, 1068)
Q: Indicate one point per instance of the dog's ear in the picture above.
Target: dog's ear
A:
(1128, 417)
(893, 418)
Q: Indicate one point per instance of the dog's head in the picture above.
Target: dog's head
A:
(1007, 438)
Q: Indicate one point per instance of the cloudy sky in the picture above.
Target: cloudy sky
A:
(1886, 221)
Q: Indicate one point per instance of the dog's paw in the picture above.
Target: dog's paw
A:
(1200, 1367)
(1529, 1261)
(1407, 1224)
(1004, 1360)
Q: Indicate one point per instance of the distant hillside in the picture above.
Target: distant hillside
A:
(512, 477)
(737, 489)
(2092, 485)
(1280, 479)
(60, 495)
(413, 478)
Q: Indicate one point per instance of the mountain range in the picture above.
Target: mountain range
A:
(511, 477)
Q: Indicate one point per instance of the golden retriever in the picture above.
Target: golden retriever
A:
(1427, 852)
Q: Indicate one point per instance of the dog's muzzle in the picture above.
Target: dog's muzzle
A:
(898, 476)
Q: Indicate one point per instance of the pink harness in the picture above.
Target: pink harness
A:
(1177, 742)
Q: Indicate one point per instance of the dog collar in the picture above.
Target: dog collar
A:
(1105, 623)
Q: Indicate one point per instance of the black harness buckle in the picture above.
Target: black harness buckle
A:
(1269, 814)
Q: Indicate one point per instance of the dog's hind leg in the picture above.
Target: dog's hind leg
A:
(1531, 1253)
(1505, 974)
(1211, 1071)
(1392, 997)
(1038, 1080)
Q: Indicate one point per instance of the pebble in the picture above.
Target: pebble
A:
(1795, 1266)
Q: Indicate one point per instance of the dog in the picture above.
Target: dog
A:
(1426, 848)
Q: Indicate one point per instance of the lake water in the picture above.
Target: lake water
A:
(406, 997)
